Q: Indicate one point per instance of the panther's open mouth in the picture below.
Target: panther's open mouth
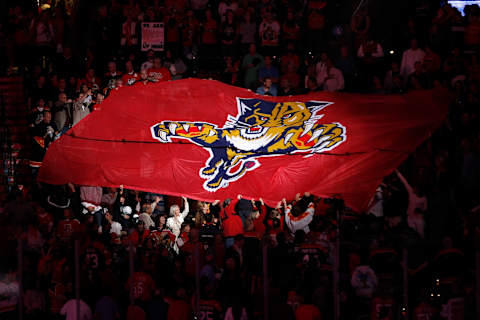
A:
(253, 132)
(254, 129)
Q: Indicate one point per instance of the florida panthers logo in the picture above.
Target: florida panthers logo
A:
(261, 129)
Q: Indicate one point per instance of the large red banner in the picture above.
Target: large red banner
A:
(208, 141)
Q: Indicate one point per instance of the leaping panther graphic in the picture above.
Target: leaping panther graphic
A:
(260, 129)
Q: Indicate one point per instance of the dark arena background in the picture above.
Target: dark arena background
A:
(120, 250)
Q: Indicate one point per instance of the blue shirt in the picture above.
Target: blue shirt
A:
(272, 90)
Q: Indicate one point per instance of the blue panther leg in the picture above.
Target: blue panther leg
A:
(211, 167)
(216, 181)
(218, 159)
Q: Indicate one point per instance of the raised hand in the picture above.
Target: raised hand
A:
(279, 205)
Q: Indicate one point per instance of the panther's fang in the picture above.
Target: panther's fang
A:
(172, 127)
(308, 127)
(287, 138)
(315, 135)
(163, 135)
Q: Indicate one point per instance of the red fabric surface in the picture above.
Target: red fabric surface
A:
(119, 144)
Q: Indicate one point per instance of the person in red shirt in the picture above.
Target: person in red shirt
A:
(289, 58)
(91, 80)
(67, 227)
(307, 311)
(316, 23)
(141, 286)
(184, 237)
(130, 76)
(292, 76)
(232, 223)
(112, 72)
(45, 220)
(94, 253)
(424, 311)
(188, 250)
(172, 30)
(210, 309)
(382, 307)
(138, 236)
(158, 73)
(209, 31)
(179, 308)
(135, 313)
(177, 5)
(143, 78)
(290, 29)
(258, 216)
(57, 297)
(189, 31)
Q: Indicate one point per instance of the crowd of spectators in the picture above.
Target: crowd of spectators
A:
(430, 211)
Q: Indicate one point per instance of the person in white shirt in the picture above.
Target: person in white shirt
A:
(331, 78)
(129, 32)
(149, 63)
(229, 314)
(416, 205)
(409, 57)
(269, 31)
(10, 292)
(115, 227)
(321, 65)
(174, 223)
(298, 220)
(370, 49)
(146, 217)
(69, 310)
(376, 204)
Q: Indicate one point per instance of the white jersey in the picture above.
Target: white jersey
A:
(302, 221)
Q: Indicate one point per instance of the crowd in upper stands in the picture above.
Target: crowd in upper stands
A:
(430, 210)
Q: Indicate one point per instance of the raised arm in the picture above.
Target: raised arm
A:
(404, 181)
(186, 208)
(288, 220)
(263, 210)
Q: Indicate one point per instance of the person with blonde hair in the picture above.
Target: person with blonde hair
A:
(174, 223)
